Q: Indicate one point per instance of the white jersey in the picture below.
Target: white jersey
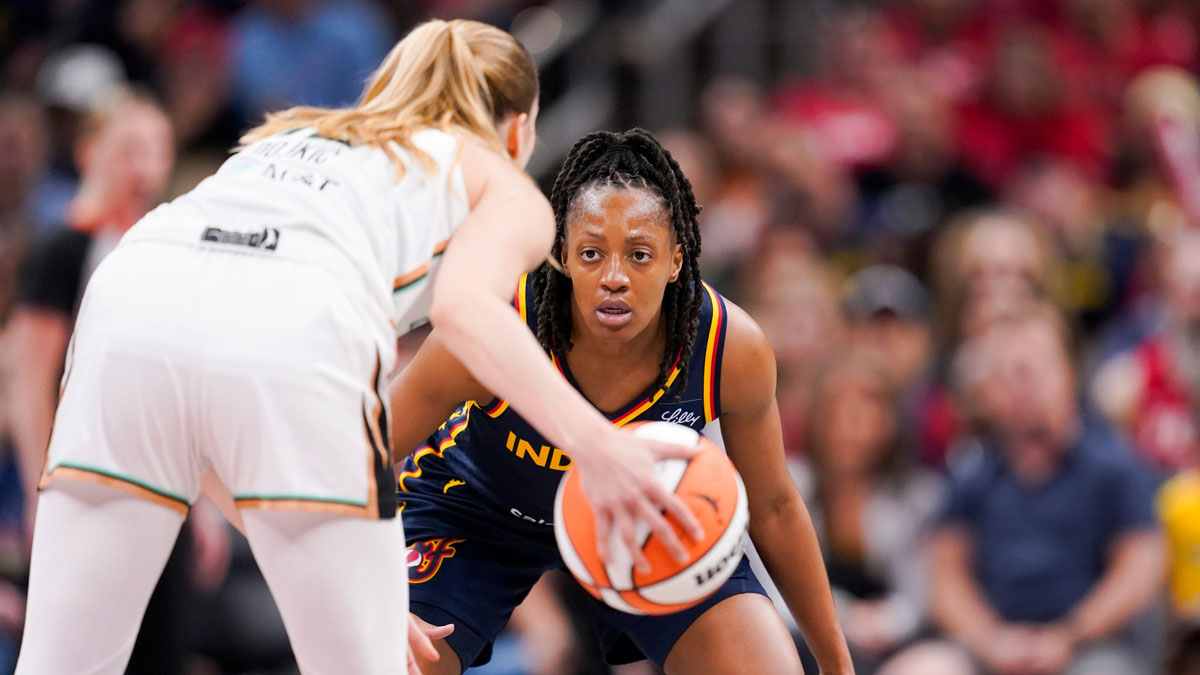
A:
(298, 196)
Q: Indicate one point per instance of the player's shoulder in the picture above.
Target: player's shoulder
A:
(747, 362)
(744, 338)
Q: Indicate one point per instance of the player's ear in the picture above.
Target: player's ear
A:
(514, 144)
(676, 262)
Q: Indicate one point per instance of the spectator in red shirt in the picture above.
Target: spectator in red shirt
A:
(1026, 112)
(1152, 390)
(841, 106)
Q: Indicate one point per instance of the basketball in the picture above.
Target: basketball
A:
(712, 489)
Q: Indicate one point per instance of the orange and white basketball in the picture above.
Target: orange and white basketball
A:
(711, 488)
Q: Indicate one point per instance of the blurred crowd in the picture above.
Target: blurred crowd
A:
(969, 231)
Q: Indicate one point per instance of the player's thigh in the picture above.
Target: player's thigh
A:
(97, 554)
(741, 634)
(340, 587)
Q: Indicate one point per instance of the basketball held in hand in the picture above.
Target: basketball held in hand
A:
(708, 484)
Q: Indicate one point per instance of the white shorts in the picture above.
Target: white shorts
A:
(272, 372)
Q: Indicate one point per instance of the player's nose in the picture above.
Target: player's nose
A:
(614, 276)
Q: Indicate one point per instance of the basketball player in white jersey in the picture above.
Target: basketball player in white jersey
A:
(248, 329)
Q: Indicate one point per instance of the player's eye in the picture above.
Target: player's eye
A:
(589, 254)
(641, 256)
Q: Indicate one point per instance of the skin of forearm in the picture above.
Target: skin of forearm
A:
(493, 343)
(956, 603)
(1134, 577)
(787, 542)
(33, 416)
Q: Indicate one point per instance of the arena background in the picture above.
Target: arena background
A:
(904, 193)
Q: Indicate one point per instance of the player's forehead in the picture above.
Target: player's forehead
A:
(603, 210)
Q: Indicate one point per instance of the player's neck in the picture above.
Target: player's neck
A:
(646, 346)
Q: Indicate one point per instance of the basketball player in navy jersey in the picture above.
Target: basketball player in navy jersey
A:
(630, 324)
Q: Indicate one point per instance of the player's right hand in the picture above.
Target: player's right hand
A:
(621, 485)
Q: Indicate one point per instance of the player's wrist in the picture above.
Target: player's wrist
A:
(584, 442)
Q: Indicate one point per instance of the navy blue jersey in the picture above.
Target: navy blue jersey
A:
(508, 466)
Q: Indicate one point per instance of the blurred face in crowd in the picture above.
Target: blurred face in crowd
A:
(24, 145)
(1025, 76)
(126, 162)
(1060, 197)
(732, 111)
(1000, 257)
(926, 143)
(797, 309)
(620, 254)
(1026, 393)
(861, 52)
(904, 344)
(856, 425)
(1182, 274)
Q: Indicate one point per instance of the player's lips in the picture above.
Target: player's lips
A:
(614, 313)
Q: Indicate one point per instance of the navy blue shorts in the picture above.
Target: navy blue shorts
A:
(473, 567)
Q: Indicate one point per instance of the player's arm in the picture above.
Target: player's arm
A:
(426, 392)
(780, 524)
(508, 232)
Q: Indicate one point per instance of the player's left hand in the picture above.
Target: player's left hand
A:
(421, 635)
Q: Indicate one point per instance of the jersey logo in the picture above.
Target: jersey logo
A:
(267, 239)
(425, 558)
(556, 459)
(680, 416)
(452, 483)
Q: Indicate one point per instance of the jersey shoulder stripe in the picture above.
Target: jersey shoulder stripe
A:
(714, 347)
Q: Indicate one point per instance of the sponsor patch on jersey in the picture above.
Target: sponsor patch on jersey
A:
(267, 238)
(681, 417)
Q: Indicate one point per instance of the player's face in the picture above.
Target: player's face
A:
(620, 255)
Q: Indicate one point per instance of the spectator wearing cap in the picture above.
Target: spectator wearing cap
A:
(889, 313)
(1047, 551)
(71, 82)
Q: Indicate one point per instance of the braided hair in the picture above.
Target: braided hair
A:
(631, 160)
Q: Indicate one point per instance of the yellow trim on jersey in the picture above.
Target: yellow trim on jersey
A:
(522, 304)
(648, 402)
(497, 410)
(710, 355)
(445, 445)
